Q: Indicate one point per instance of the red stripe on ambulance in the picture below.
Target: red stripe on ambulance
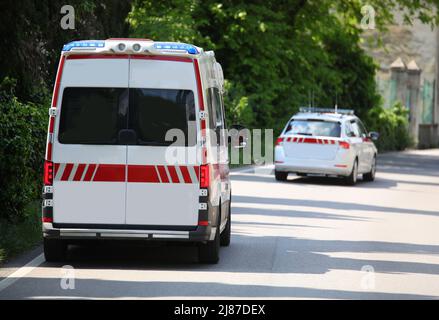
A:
(139, 173)
(136, 173)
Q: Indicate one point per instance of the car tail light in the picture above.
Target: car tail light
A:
(279, 140)
(204, 176)
(48, 172)
(344, 144)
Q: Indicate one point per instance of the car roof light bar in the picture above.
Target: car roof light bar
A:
(326, 110)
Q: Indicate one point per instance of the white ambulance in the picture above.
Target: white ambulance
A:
(110, 167)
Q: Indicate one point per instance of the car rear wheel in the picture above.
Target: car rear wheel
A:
(280, 176)
(351, 180)
(370, 176)
(55, 250)
(209, 252)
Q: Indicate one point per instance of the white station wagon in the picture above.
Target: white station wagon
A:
(326, 142)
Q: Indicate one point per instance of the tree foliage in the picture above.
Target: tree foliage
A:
(22, 130)
(31, 38)
(278, 55)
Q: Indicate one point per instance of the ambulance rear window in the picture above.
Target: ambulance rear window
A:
(153, 112)
(96, 116)
(91, 115)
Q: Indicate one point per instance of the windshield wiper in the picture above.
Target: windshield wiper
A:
(304, 134)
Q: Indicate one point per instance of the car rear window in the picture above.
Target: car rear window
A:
(96, 115)
(311, 127)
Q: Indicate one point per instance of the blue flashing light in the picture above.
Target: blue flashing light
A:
(170, 46)
(83, 44)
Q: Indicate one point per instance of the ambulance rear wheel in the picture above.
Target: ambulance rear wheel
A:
(55, 250)
(209, 252)
(227, 233)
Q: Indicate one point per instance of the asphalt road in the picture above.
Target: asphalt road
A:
(305, 238)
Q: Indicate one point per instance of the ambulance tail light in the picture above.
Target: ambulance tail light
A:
(204, 176)
(48, 172)
(344, 145)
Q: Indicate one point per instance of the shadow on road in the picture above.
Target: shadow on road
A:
(325, 204)
(248, 254)
(96, 288)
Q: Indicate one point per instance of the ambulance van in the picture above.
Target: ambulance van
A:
(130, 151)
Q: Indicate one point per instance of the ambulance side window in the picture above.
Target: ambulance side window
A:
(210, 109)
(216, 112)
(219, 118)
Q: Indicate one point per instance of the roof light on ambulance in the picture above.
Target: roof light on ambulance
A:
(83, 45)
(121, 46)
(175, 47)
(136, 47)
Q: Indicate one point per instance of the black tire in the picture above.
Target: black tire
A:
(370, 176)
(351, 180)
(280, 176)
(209, 252)
(55, 250)
(227, 232)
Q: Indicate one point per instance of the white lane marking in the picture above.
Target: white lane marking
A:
(20, 273)
(253, 169)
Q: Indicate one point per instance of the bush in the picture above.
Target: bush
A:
(392, 124)
(22, 144)
(24, 235)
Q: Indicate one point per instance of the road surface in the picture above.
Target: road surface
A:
(305, 238)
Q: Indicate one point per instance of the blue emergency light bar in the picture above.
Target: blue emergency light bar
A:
(170, 46)
(83, 44)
